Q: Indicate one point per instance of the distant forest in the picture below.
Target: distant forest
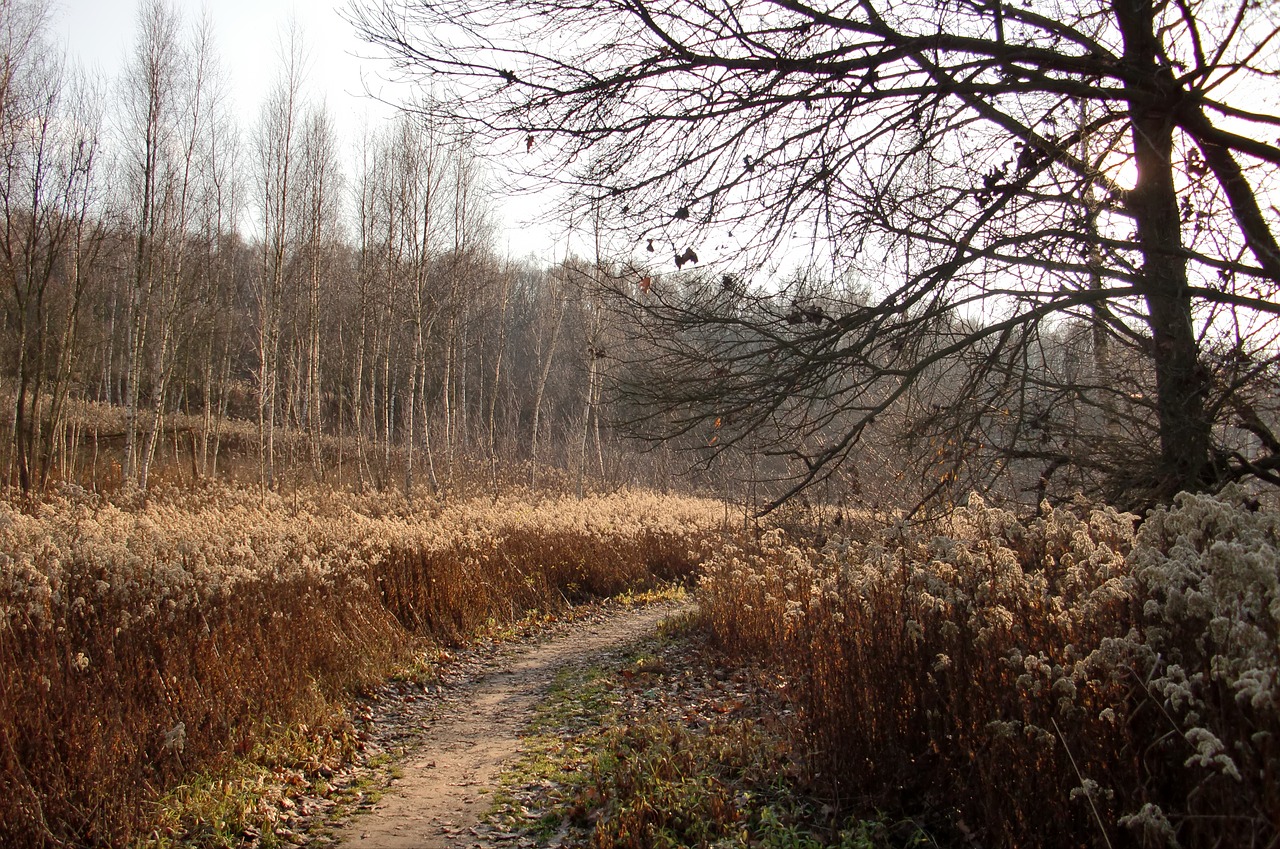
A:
(364, 330)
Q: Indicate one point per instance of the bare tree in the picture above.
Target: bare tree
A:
(596, 350)
(469, 228)
(506, 283)
(151, 111)
(222, 190)
(276, 149)
(419, 182)
(367, 184)
(176, 300)
(553, 306)
(319, 191)
(48, 239)
(932, 153)
(390, 304)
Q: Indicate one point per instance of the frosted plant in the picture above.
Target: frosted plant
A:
(1152, 826)
(1210, 569)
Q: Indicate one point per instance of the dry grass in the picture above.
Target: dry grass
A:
(141, 643)
(1057, 683)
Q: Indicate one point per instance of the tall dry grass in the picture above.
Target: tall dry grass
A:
(1062, 682)
(139, 643)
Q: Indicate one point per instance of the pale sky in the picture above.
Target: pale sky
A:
(100, 33)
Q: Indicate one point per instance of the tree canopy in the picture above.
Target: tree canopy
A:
(1048, 227)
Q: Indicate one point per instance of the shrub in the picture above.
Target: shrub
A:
(1042, 682)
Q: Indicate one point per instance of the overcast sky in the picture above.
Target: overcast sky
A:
(100, 33)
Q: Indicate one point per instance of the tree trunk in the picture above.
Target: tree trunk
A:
(1182, 382)
(543, 376)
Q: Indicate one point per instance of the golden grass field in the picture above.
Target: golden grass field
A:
(1075, 678)
(142, 642)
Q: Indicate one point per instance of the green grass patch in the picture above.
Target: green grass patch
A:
(594, 774)
(537, 796)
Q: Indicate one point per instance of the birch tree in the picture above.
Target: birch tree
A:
(195, 91)
(319, 183)
(275, 145)
(151, 97)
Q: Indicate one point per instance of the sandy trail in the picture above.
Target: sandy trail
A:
(441, 795)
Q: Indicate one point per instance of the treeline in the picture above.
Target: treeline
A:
(186, 294)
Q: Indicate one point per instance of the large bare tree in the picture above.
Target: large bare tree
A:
(977, 177)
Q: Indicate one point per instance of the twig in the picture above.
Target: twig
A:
(1083, 786)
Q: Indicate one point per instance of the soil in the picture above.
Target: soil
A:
(455, 737)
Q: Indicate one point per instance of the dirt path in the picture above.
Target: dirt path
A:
(440, 797)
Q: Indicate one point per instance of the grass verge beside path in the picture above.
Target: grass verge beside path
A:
(665, 745)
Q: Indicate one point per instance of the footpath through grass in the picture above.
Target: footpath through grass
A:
(297, 791)
(665, 744)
